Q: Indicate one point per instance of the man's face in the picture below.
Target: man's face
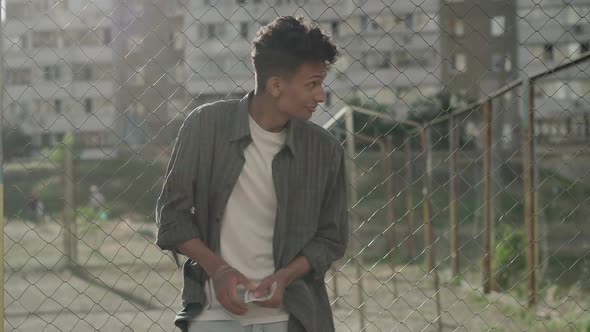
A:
(301, 94)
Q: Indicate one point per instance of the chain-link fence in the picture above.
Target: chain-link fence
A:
(466, 126)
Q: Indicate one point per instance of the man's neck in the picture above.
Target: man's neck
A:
(263, 110)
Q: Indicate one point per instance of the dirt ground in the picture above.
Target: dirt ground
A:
(126, 284)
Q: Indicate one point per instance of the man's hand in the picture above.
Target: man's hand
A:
(225, 281)
(282, 279)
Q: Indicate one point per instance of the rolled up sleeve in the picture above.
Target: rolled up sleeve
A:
(330, 241)
(176, 203)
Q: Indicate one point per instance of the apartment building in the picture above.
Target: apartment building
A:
(58, 71)
(107, 71)
(480, 48)
(552, 32)
(390, 52)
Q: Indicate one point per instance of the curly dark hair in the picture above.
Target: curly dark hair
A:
(284, 44)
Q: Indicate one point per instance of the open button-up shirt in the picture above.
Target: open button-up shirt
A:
(311, 220)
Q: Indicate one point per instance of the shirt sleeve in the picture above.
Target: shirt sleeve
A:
(330, 241)
(175, 206)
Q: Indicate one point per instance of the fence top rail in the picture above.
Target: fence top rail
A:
(508, 87)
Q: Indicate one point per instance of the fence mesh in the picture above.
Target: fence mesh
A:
(464, 215)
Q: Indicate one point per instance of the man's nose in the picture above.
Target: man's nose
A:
(320, 96)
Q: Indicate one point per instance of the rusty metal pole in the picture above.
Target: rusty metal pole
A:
(426, 206)
(389, 175)
(427, 219)
(409, 200)
(391, 232)
(488, 217)
(531, 196)
(453, 189)
(2, 158)
(69, 213)
(353, 199)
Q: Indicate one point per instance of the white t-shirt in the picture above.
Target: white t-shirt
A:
(247, 226)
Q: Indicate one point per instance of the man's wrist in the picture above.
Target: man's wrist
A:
(220, 271)
(296, 269)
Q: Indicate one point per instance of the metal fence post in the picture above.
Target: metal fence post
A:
(488, 201)
(530, 189)
(426, 206)
(2, 162)
(70, 244)
(409, 198)
(427, 219)
(390, 175)
(453, 189)
(391, 232)
(353, 196)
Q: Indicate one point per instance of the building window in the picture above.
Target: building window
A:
(57, 72)
(57, 105)
(409, 21)
(402, 58)
(24, 42)
(498, 25)
(385, 60)
(88, 105)
(44, 39)
(364, 21)
(335, 26)
(211, 31)
(244, 30)
(458, 62)
(548, 52)
(501, 63)
(106, 36)
(457, 27)
(87, 73)
(83, 72)
(19, 76)
(47, 73)
(52, 73)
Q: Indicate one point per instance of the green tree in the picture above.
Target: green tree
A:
(371, 126)
(441, 104)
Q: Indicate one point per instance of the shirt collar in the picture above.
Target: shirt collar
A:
(242, 127)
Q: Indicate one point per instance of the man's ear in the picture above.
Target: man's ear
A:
(274, 86)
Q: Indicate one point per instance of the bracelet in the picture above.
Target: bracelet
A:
(220, 271)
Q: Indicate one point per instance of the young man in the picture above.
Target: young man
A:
(255, 196)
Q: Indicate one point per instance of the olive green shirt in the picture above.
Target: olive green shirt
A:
(311, 220)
